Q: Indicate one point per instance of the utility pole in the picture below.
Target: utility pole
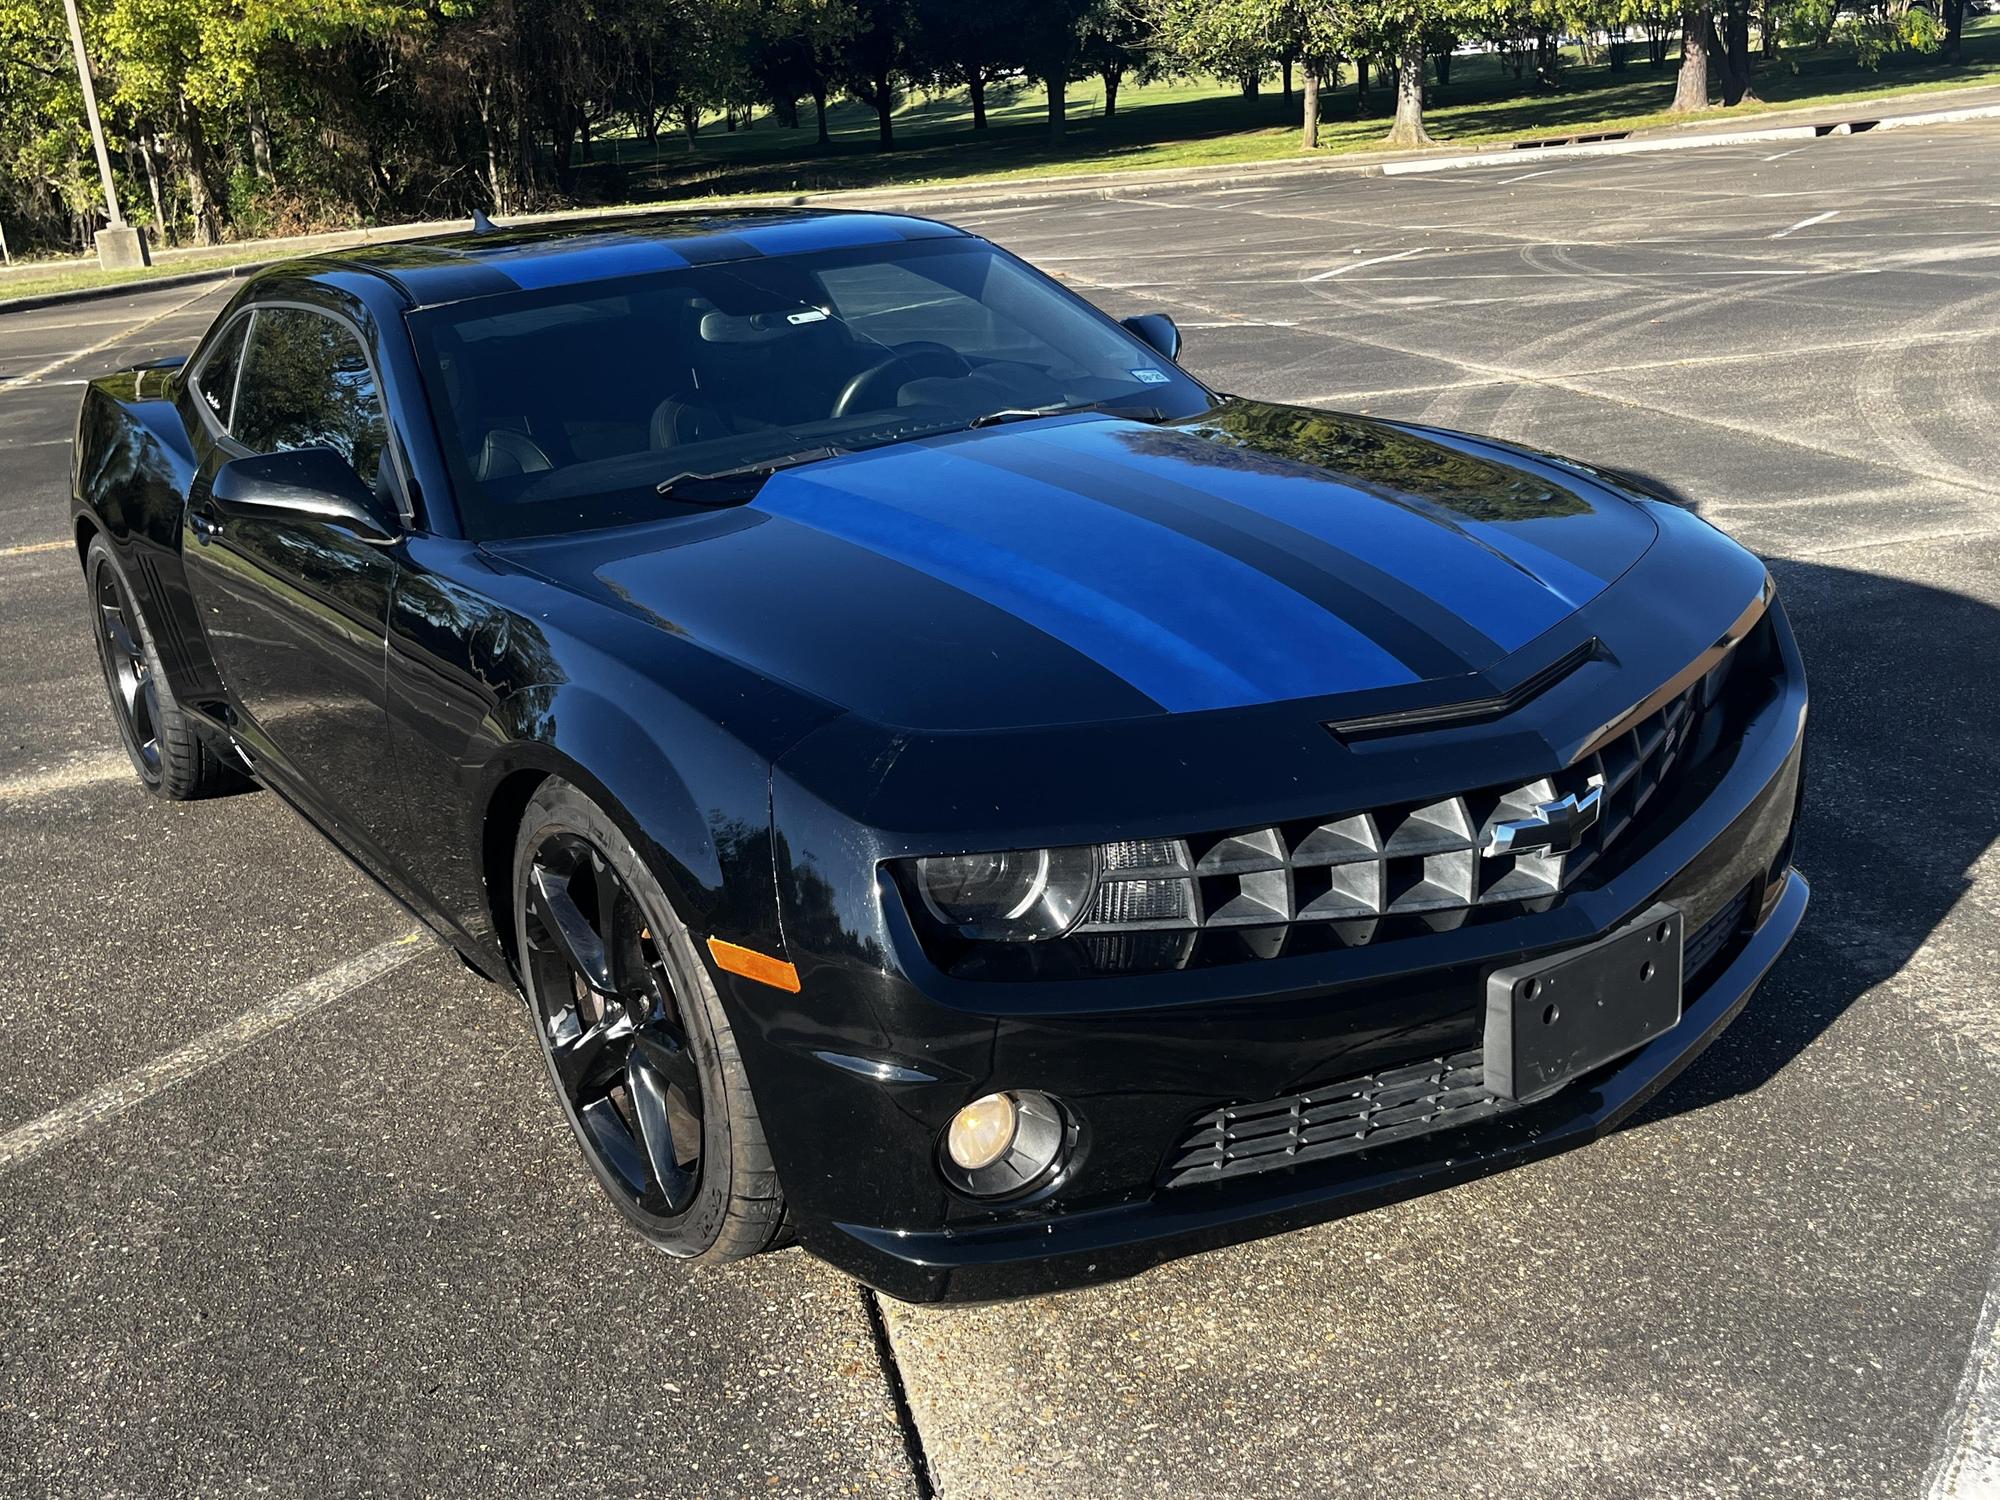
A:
(120, 245)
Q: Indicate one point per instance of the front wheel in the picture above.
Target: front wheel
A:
(166, 752)
(643, 1061)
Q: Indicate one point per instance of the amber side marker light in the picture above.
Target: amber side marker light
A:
(754, 965)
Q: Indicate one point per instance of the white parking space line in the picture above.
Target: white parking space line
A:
(1831, 213)
(1781, 155)
(124, 333)
(78, 773)
(100, 1106)
(1356, 265)
(1545, 172)
(1968, 1462)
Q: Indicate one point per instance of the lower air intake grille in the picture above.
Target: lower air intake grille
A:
(1343, 1117)
(1439, 1093)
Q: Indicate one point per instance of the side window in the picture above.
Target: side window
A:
(306, 384)
(216, 384)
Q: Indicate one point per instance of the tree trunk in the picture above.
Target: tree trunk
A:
(494, 192)
(1253, 83)
(1614, 52)
(1732, 45)
(1442, 62)
(202, 205)
(147, 148)
(690, 123)
(819, 111)
(1287, 62)
(1361, 81)
(885, 125)
(1111, 77)
(1691, 90)
(1954, 31)
(976, 86)
(1309, 129)
(1058, 87)
(1409, 127)
(260, 144)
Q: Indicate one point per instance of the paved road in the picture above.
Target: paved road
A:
(344, 1246)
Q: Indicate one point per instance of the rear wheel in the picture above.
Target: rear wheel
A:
(169, 756)
(643, 1061)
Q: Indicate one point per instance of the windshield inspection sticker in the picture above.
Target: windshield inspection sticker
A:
(1150, 377)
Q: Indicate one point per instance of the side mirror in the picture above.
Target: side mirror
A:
(307, 484)
(1158, 330)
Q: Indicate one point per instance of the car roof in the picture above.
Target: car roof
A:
(479, 263)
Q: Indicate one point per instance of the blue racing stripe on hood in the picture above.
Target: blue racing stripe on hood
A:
(1189, 626)
(1507, 599)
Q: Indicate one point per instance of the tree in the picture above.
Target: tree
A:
(871, 54)
(1111, 40)
(1691, 88)
(1050, 34)
(1225, 37)
(966, 45)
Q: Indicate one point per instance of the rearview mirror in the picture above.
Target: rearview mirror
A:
(1158, 330)
(311, 484)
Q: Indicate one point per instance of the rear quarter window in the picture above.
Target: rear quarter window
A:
(215, 382)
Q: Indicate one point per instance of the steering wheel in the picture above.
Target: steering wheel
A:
(871, 387)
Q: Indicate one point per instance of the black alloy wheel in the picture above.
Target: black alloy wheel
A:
(632, 1031)
(135, 692)
(168, 754)
(612, 1025)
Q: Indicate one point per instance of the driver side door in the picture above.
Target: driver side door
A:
(295, 606)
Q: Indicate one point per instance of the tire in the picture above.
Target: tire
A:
(171, 759)
(640, 1055)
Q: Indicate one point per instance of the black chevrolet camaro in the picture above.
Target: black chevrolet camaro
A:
(952, 789)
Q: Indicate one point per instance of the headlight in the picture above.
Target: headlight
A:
(1014, 896)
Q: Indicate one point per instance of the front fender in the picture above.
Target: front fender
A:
(710, 854)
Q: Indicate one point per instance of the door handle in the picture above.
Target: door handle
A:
(205, 524)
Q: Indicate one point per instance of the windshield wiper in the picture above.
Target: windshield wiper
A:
(760, 469)
(1136, 412)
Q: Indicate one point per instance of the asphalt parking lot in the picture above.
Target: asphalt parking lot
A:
(284, 1208)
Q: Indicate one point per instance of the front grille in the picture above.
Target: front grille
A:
(1420, 861)
(1420, 1098)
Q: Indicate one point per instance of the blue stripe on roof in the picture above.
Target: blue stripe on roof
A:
(577, 258)
(795, 236)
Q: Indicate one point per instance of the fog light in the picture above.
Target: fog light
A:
(981, 1132)
(1005, 1144)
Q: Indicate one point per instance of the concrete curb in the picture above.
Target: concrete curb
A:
(1031, 190)
(1516, 155)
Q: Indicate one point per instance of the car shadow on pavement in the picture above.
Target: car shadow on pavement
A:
(1902, 762)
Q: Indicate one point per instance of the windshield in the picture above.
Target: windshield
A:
(565, 409)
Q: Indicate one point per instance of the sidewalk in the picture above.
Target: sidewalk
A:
(188, 266)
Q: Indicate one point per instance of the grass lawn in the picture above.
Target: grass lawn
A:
(1171, 123)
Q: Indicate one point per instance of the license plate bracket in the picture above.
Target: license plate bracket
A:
(1554, 1018)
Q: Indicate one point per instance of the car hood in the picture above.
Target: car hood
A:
(1087, 568)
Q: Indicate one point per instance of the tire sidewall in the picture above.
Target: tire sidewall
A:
(559, 807)
(98, 561)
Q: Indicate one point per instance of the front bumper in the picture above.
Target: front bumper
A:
(1026, 1258)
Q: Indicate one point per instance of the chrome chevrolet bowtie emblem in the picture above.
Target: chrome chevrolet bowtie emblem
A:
(1554, 827)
